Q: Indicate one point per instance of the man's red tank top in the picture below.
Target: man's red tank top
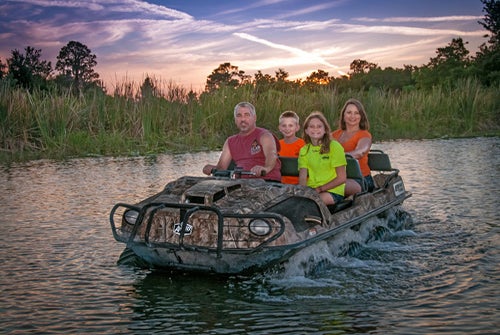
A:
(246, 151)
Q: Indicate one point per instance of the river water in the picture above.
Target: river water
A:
(59, 271)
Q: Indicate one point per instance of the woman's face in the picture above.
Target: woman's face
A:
(352, 117)
(315, 129)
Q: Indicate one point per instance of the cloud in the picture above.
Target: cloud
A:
(304, 56)
(112, 6)
(311, 9)
(402, 30)
(91, 5)
(147, 37)
(147, 8)
(256, 4)
(421, 19)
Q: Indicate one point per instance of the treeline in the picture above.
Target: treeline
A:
(66, 111)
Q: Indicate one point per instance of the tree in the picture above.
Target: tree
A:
(389, 78)
(27, 69)
(3, 69)
(281, 75)
(225, 75)
(450, 64)
(492, 20)
(319, 77)
(358, 74)
(453, 55)
(149, 88)
(487, 60)
(76, 63)
(360, 66)
(261, 79)
(262, 82)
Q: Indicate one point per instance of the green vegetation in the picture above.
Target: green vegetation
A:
(71, 114)
(47, 124)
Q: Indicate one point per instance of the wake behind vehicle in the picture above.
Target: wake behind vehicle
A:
(227, 224)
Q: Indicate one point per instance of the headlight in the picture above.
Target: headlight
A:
(259, 227)
(130, 216)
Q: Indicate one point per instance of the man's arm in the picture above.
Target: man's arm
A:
(224, 161)
(268, 144)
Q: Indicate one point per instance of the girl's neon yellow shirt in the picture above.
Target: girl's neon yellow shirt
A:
(321, 167)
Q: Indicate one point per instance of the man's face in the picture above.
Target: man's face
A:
(244, 120)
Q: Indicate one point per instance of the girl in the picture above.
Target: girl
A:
(322, 161)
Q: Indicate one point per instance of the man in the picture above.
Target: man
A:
(253, 149)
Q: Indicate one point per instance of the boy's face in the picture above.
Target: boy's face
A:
(288, 127)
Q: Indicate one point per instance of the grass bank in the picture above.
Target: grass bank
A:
(58, 125)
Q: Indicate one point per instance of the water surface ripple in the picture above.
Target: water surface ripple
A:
(58, 271)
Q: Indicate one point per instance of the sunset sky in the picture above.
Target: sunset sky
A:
(183, 41)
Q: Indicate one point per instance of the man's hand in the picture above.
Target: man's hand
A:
(259, 170)
(207, 169)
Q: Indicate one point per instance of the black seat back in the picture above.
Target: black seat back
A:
(379, 161)
(353, 171)
(289, 166)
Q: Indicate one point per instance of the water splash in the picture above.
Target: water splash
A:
(317, 259)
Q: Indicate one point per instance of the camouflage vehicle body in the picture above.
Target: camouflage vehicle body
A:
(230, 225)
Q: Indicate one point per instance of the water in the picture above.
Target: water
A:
(58, 271)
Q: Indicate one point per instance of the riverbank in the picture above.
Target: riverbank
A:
(57, 125)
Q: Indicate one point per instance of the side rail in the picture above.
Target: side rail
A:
(126, 213)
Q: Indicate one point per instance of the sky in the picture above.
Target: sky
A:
(181, 42)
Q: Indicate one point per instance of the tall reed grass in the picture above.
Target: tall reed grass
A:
(58, 124)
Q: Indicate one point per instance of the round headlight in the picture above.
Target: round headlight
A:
(130, 216)
(259, 227)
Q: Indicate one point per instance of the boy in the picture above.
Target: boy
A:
(289, 125)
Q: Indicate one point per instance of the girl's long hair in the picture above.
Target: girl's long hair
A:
(326, 139)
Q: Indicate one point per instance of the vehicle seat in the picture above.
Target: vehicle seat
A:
(353, 171)
(289, 166)
(380, 162)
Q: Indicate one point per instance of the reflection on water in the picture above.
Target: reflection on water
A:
(58, 271)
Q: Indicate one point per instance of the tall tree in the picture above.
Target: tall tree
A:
(319, 77)
(359, 66)
(451, 63)
(281, 75)
(76, 63)
(225, 75)
(263, 79)
(492, 20)
(27, 69)
(487, 60)
(454, 54)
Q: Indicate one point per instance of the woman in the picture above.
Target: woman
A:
(356, 140)
(322, 163)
